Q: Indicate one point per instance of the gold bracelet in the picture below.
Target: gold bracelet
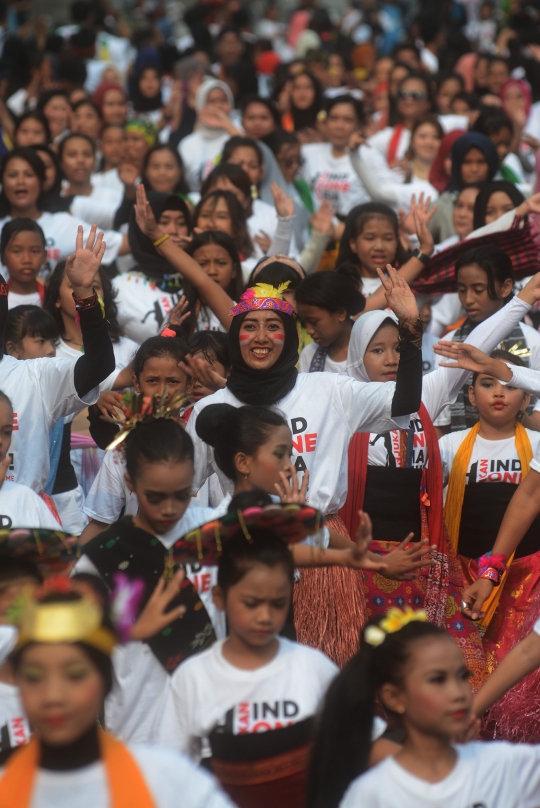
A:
(160, 240)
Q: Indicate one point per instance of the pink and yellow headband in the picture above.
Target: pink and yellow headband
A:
(263, 296)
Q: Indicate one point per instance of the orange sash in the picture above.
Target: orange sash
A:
(127, 786)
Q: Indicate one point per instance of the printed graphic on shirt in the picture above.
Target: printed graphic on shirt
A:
(331, 186)
(303, 441)
(400, 448)
(495, 470)
(260, 716)
(14, 733)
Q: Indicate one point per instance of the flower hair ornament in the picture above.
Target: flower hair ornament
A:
(395, 620)
(263, 296)
(137, 409)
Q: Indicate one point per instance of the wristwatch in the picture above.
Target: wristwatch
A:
(425, 259)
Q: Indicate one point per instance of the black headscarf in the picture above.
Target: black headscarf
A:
(460, 149)
(148, 259)
(481, 203)
(263, 387)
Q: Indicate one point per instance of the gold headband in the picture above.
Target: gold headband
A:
(71, 621)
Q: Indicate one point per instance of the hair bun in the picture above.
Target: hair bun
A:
(213, 420)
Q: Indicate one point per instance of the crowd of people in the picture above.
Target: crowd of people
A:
(270, 405)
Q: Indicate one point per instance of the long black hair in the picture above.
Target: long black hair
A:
(240, 234)
(494, 262)
(231, 430)
(486, 192)
(181, 186)
(109, 300)
(221, 239)
(33, 115)
(331, 291)
(343, 738)
(355, 222)
(36, 164)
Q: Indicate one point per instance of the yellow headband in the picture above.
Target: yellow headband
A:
(394, 621)
(71, 621)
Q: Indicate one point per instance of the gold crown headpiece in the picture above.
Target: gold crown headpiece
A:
(137, 408)
(68, 621)
(395, 620)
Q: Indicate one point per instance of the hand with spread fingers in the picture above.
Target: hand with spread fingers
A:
(155, 617)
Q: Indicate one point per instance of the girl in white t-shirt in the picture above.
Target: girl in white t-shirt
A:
(22, 174)
(23, 253)
(19, 505)
(63, 677)
(418, 675)
(326, 302)
(482, 468)
(254, 695)
(371, 240)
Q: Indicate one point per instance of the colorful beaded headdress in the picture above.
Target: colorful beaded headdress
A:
(52, 551)
(69, 621)
(263, 296)
(291, 521)
(136, 408)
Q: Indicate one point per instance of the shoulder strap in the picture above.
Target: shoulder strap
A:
(126, 783)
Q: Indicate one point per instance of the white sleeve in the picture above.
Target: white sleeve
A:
(441, 387)
(95, 210)
(504, 222)
(362, 161)
(525, 378)
(367, 406)
(282, 238)
(172, 726)
(447, 455)
(57, 387)
(106, 498)
(44, 517)
(204, 455)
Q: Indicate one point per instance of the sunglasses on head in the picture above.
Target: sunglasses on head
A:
(415, 95)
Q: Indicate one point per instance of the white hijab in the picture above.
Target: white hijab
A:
(362, 333)
(201, 97)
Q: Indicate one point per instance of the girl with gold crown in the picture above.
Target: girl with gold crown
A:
(63, 668)
(416, 672)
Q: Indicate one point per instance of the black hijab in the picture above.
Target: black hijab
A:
(149, 261)
(482, 200)
(263, 387)
(461, 148)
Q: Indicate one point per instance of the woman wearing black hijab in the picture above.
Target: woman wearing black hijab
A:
(474, 161)
(494, 200)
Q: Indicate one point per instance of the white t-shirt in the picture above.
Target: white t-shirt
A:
(15, 299)
(140, 680)
(166, 774)
(264, 217)
(208, 321)
(207, 692)
(381, 140)
(41, 391)
(332, 178)
(124, 351)
(324, 410)
(109, 492)
(110, 180)
(329, 365)
(142, 307)
(25, 508)
(98, 208)
(60, 231)
(200, 152)
(492, 461)
(8, 639)
(486, 775)
(14, 729)
(369, 286)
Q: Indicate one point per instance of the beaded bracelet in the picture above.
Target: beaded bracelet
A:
(160, 240)
(83, 303)
(492, 567)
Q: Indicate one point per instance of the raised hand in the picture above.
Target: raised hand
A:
(155, 617)
(289, 490)
(422, 215)
(82, 266)
(284, 204)
(200, 373)
(398, 294)
(407, 557)
(128, 173)
(144, 215)
(107, 404)
(180, 312)
(356, 140)
(263, 240)
(531, 291)
(466, 357)
(321, 220)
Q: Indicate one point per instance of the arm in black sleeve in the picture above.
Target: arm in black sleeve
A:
(98, 361)
(408, 394)
(102, 432)
(123, 212)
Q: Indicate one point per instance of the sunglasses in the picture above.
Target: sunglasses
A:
(414, 95)
(293, 161)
